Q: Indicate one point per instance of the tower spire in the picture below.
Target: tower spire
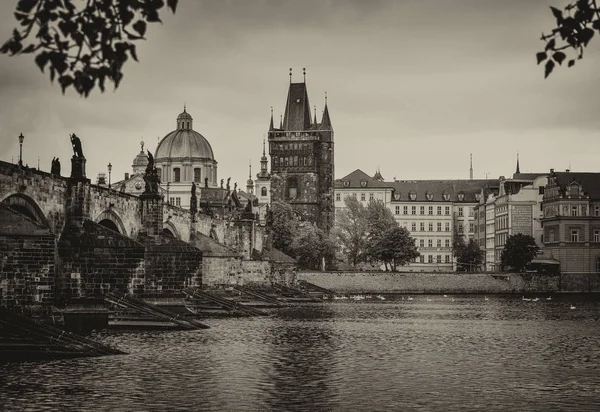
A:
(264, 153)
(290, 75)
(316, 123)
(471, 166)
(518, 168)
(281, 120)
(304, 73)
(271, 123)
(250, 182)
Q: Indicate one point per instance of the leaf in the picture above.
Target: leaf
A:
(172, 4)
(586, 35)
(559, 57)
(596, 25)
(132, 52)
(548, 69)
(140, 27)
(557, 14)
(65, 81)
(541, 56)
(550, 45)
(41, 60)
(571, 63)
(26, 6)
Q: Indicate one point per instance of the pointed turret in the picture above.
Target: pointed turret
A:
(518, 168)
(271, 127)
(326, 121)
(471, 167)
(250, 182)
(264, 172)
(281, 121)
(297, 109)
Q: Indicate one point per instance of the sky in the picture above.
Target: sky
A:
(414, 87)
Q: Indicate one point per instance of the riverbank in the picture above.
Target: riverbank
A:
(456, 283)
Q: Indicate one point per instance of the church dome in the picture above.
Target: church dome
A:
(184, 142)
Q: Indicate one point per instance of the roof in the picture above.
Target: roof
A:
(528, 176)
(436, 189)
(589, 181)
(212, 248)
(356, 180)
(277, 256)
(184, 142)
(297, 109)
(141, 159)
(216, 196)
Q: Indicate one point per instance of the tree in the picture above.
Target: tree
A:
(469, 256)
(84, 43)
(284, 227)
(310, 246)
(351, 230)
(379, 220)
(395, 247)
(575, 27)
(519, 251)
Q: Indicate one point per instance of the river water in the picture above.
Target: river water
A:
(433, 353)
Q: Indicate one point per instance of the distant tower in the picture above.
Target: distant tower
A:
(378, 175)
(250, 182)
(471, 168)
(263, 179)
(518, 168)
(302, 159)
(140, 161)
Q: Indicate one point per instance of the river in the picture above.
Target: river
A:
(432, 353)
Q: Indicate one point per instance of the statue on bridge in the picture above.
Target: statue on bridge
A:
(76, 143)
(193, 203)
(228, 180)
(151, 177)
(222, 180)
(55, 168)
(206, 182)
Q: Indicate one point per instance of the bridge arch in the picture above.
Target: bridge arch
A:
(111, 220)
(26, 206)
(169, 229)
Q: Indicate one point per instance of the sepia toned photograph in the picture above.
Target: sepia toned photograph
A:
(299, 205)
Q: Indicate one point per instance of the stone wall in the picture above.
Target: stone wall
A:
(347, 282)
(580, 282)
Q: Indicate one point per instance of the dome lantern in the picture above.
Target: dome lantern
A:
(184, 120)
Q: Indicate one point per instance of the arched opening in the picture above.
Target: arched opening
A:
(27, 207)
(170, 230)
(109, 224)
(167, 232)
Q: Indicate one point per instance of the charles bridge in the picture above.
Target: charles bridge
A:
(64, 238)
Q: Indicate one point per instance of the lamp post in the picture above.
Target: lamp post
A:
(168, 185)
(21, 138)
(109, 170)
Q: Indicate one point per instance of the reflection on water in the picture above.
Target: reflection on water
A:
(455, 353)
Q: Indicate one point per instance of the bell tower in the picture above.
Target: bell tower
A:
(302, 159)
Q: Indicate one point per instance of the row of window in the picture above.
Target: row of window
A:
(175, 201)
(292, 161)
(574, 236)
(430, 243)
(280, 147)
(438, 227)
(177, 174)
(430, 259)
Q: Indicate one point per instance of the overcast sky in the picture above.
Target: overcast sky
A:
(413, 87)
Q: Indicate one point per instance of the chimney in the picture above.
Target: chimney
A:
(126, 176)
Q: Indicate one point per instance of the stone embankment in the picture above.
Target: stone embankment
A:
(403, 282)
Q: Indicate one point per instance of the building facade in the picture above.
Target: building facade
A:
(571, 220)
(302, 160)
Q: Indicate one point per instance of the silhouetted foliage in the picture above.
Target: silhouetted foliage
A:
(310, 246)
(379, 220)
(469, 255)
(518, 252)
(284, 225)
(575, 27)
(83, 43)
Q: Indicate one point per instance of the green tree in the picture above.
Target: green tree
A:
(84, 43)
(284, 226)
(518, 252)
(350, 230)
(396, 247)
(379, 220)
(575, 27)
(310, 246)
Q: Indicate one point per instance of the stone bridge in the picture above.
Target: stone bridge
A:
(65, 238)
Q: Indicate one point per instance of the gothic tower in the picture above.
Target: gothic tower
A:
(302, 159)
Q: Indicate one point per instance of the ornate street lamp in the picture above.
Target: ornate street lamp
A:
(21, 138)
(109, 170)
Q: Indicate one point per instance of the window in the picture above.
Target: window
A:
(596, 235)
(362, 197)
(414, 210)
(447, 211)
(177, 174)
(197, 174)
(439, 226)
(431, 210)
(460, 228)
(414, 226)
(439, 243)
(447, 226)
(460, 211)
(397, 210)
(422, 243)
(574, 235)
(371, 196)
(430, 259)
(263, 192)
(439, 258)
(422, 226)
(541, 190)
(583, 210)
(447, 258)
(159, 172)
(470, 211)
(471, 227)
(405, 210)
(422, 259)
(439, 210)
(430, 243)
(431, 226)
(447, 243)
(354, 195)
(338, 197)
(292, 187)
(422, 210)
(573, 210)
